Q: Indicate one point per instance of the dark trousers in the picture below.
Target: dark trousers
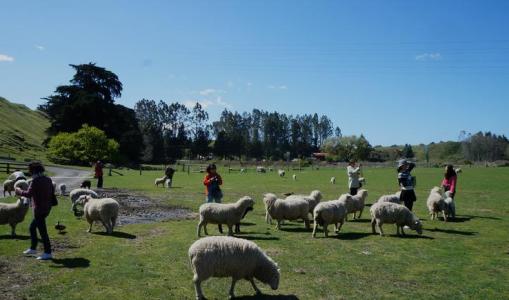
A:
(353, 191)
(39, 223)
(408, 197)
(99, 182)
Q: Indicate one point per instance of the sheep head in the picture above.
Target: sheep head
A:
(416, 225)
(436, 189)
(316, 194)
(363, 193)
(268, 272)
(269, 199)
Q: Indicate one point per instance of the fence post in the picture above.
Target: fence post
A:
(7, 169)
(109, 174)
(188, 169)
(140, 170)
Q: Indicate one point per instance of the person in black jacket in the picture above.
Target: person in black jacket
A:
(406, 183)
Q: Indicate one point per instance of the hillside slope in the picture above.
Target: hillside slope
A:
(22, 130)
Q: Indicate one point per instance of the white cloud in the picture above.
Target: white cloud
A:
(5, 57)
(40, 48)
(277, 87)
(206, 103)
(207, 92)
(428, 56)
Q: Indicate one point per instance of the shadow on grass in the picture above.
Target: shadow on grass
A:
(268, 297)
(259, 238)
(481, 217)
(118, 234)
(71, 263)
(16, 237)
(360, 221)
(452, 231)
(295, 229)
(414, 236)
(247, 224)
(353, 235)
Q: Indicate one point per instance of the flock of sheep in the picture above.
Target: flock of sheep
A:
(227, 256)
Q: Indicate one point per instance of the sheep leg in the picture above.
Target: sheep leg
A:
(360, 213)
(113, 223)
(90, 228)
(340, 225)
(379, 224)
(205, 229)
(397, 229)
(232, 287)
(198, 230)
(13, 229)
(197, 288)
(306, 223)
(402, 231)
(106, 226)
(258, 292)
(314, 229)
(336, 228)
(445, 217)
(230, 229)
(237, 228)
(326, 229)
(278, 225)
(373, 222)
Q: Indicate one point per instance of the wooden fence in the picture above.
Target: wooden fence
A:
(8, 166)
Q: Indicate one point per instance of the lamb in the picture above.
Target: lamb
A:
(21, 184)
(392, 213)
(279, 209)
(312, 199)
(436, 204)
(86, 184)
(294, 177)
(281, 173)
(358, 203)
(260, 169)
(8, 186)
(219, 213)
(394, 198)
(160, 181)
(104, 210)
(451, 207)
(76, 193)
(222, 256)
(330, 212)
(333, 180)
(13, 213)
(62, 187)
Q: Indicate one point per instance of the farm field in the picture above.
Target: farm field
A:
(465, 258)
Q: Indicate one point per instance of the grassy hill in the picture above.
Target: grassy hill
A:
(22, 131)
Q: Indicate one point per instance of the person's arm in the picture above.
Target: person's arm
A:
(219, 180)
(352, 171)
(453, 184)
(206, 180)
(28, 193)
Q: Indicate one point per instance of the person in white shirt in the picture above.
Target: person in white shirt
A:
(354, 173)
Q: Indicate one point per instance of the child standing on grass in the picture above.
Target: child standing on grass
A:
(212, 182)
(406, 183)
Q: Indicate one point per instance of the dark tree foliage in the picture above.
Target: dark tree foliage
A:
(90, 99)
(407, 151)
(485, 146)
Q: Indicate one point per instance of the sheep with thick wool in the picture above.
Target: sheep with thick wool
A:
(13, 213)
(330, 212)
(222, 256)
(358, 201)
(21, 184)
(76, 193)
(224, 213)
(436, 204)
(394, 198)
(104, 210)
(160, 181)
(8, 186)
(279, 209)
(451, 207)
(393, 213)
(62, 188)
(312, 199)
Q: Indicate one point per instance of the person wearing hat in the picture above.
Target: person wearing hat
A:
(406, 182)
(354, 173)
(43, 197)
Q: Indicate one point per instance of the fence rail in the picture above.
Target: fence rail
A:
(8, 166)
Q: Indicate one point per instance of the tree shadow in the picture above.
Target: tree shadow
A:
(268, 297)
(117, 234)
(71, 263)
(452, 231)
(16, 237)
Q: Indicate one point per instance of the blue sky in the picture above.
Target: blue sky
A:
(396, 71)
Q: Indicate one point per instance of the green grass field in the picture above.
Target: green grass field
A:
(468, 258)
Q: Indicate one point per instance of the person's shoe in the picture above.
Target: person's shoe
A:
(30, 252)
(45, 256)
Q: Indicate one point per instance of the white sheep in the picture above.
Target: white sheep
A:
(224, 213)
(281, 173)
(394, 198)
(104, 210)
(358, 203)
(222, 256)
(9, 186)
(260, 169)
(330, 212)
(294, 177)
(458, 170)
(349, 204)
(451, 207)
(312, 199)
(62, 188)
(333, 180)
(21, 184)
(76, 193)
(13, 213)
(242, 170)
(279, 209)
(168, 183)
(160, 181)
(436, 204)
(393, 213)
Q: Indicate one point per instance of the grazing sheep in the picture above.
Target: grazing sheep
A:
(392, 213)
(224, 213)
(13, 213)
(8, 186)
(21, 184)
(333, 180)
(281, 173)
(330, 212)
(436, 204)
(358, 203)
(312, 199)
(294, 177)
(160, 181)
(76, 193)
(86, 184)
(458, 170)
(104, 210)
(451, 207)
(394, 198)
(62, 187)
(222, 256)
(260, 169)
(279, 209)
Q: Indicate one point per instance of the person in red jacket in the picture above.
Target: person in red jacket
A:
(42, 193)
(99, 173)
(213, 181)
(450, 180)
